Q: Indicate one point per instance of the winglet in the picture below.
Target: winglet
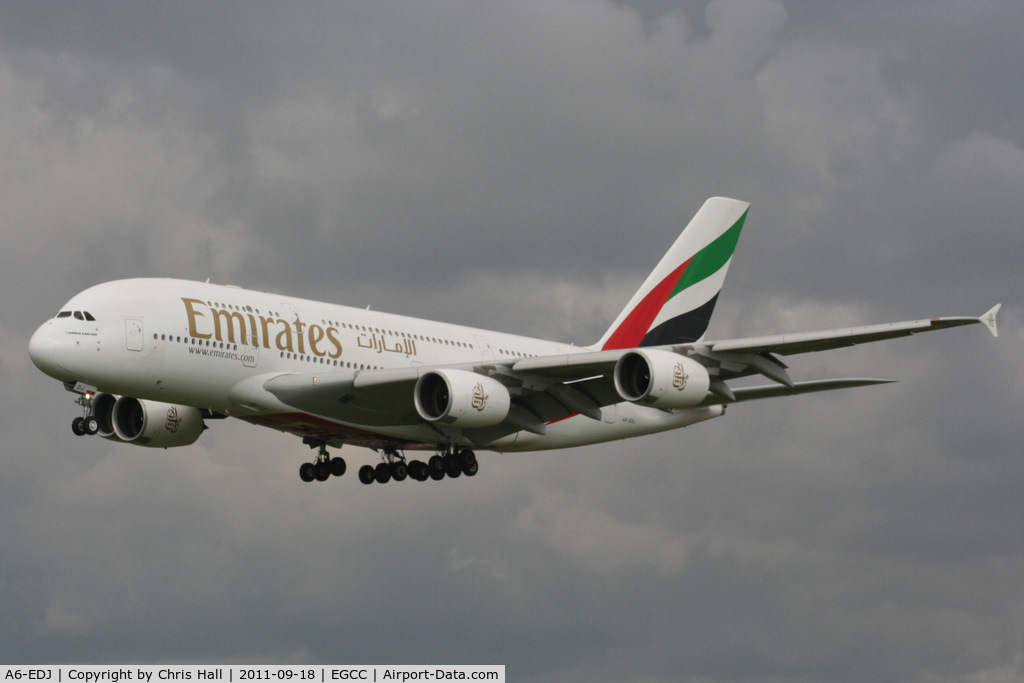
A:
(989, 320)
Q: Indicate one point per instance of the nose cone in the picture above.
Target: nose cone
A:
(40, 349)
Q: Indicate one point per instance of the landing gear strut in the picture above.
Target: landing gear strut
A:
(323, 467)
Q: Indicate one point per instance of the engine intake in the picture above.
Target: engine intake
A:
(661, 379)
(461, 398)
(103, 411)
(155, 424)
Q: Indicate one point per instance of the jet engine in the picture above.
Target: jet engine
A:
(155, 424)
(103, 411)
(661, 379)
(461, 398)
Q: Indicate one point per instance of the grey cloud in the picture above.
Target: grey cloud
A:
(522, 167)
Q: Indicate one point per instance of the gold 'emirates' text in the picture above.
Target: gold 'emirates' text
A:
(206, 322)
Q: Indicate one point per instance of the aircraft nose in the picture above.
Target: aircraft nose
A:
(40, 349)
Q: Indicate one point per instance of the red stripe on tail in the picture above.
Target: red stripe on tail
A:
(632, 330)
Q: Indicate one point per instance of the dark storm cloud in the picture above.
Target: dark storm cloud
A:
(522, 166)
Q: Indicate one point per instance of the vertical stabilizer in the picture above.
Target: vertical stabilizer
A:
(675, 303)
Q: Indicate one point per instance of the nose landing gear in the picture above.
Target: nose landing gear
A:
(85, 425)
(88, 424)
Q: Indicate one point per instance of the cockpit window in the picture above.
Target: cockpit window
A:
(79, 315)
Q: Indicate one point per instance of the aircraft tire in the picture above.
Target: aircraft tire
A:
(78, 426)
(337, 466)
(91, 425)
(435, 464)
(467, 458)
(415, 468)
(471, 470)
(452, 467)
(436, 475)
(399, 471)
(306, 472)
(321, 471)
(383, 473)
(366, 474)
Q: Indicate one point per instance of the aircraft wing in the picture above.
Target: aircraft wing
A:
(546, 389)
(366, 397)
(756, 355)
(805, 342)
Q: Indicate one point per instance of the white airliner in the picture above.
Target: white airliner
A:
(153, 359)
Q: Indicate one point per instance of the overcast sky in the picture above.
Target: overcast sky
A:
(522, 166)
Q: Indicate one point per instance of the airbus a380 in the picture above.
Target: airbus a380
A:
(152, 360)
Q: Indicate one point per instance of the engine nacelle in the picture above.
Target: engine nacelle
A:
(661, 379)
(461, 398)
(155, 424)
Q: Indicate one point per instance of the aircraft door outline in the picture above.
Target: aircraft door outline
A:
(133, 334)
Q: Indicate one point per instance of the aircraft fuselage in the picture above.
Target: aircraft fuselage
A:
(213, 346)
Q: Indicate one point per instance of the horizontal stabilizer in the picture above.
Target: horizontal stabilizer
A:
(772, 390)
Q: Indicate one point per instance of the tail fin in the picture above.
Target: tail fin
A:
(674, 305)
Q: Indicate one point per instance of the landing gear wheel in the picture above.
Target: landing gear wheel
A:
(382, 473)
(321, 471)
(306, 472)
(78, 426)
(399, 471)
(91, 425)
(471, 470)
(366, 474)
(452, 467)
(418, 470)
(436, 465)
(467, 458)
(337, 466)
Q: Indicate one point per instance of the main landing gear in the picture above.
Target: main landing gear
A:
(452, 463)
(323, 467)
